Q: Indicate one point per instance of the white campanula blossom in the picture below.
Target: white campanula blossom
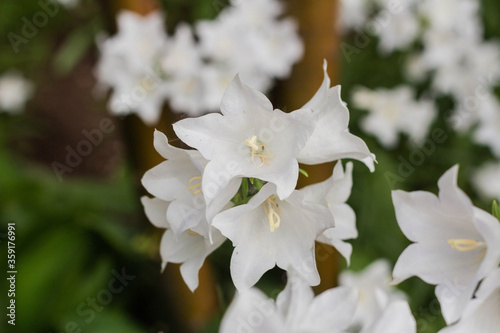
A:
(375, 293)
(333, 194)
(394, 111)
(249, 139)
(269, 231)
(296, 310)
(15, 91)
(331, 139)
(455, 244)
(483, 312)
(179, 207)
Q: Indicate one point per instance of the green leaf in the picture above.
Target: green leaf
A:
(496, 210)
(304, 172)
(244, 188)
(74, 48)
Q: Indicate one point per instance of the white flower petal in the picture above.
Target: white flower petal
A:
(240, 98)
(156, 211)
(396, 318)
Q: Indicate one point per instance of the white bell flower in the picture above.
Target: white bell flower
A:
(268, 231)
(331, 139)
(392, 111)
(333, 194)
(482, 314)
(189, 249)
(129, 64)
(15, 90)
(455, 244)
(375, 292)
(296, 310)
(248, 139)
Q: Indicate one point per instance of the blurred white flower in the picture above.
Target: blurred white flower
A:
(483, 312)
(375, 292)
(296, 310)
(354, 13)
(145, 67)
(398, 28)
(394, 111)
(488, 131)
(270, 47)
(395, 318)
(15, 91)
(268, 231)
(485, 180)
(455, 244)
(70, 4)
(333, 194)
(129, 64)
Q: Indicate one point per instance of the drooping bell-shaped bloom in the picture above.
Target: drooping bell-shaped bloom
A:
(188, 248)
(333, 194)
(331, 139)
(296, 310)
(268, 231)
(455, 244)
(375, 293)
(248, 139)
(482, 314)
(180, 208)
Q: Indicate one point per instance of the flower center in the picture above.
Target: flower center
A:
(463, 245)
(272, 213)
(258, 150)
(195, 188)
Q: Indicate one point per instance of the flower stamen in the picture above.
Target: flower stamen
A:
(273, 213)
(258, 149)
(193, 187)
(462, 245)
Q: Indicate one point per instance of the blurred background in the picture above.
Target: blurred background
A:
(420, 80)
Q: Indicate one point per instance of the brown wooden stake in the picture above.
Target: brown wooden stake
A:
(316, 20)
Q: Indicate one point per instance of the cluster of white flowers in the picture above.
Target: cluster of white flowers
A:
(239, 184)
(145, 66)
(15, 91)
(456, 246)
(394, 111)
(365, 307)
(445, 44)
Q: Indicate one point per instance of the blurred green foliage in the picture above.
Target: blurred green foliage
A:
(72, 235)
